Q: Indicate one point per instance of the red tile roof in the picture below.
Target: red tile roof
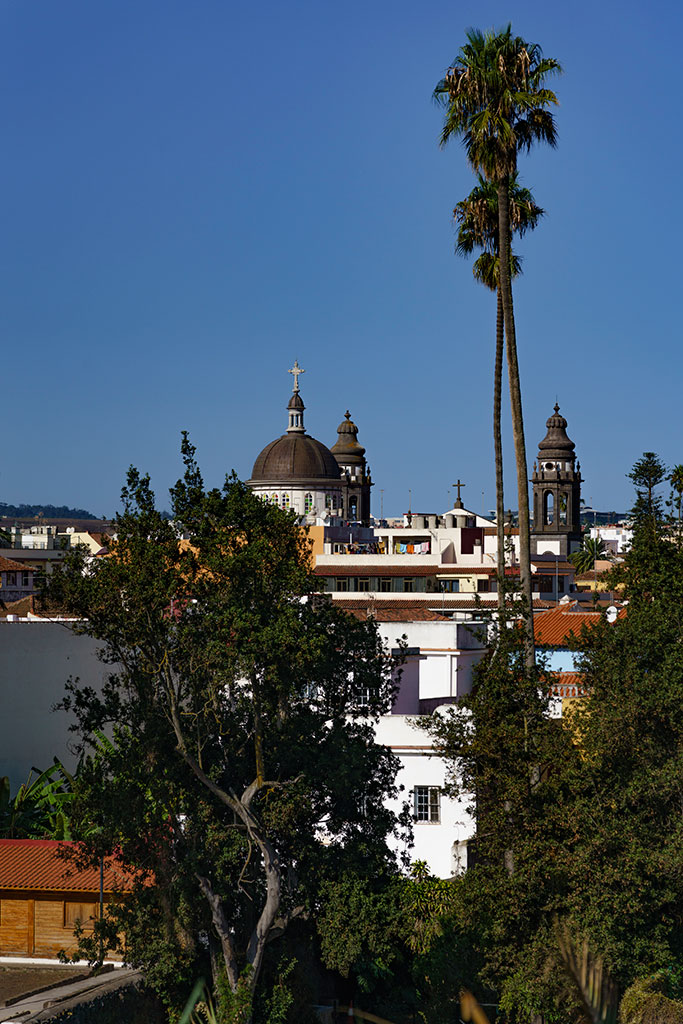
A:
(554, 627)
(7, 565)
(568, 684)
(36, 864)
(21, 607)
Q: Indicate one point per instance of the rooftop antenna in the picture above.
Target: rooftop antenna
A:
(381, 503)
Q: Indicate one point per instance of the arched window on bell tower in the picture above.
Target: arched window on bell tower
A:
(548, 508)
(563, 504)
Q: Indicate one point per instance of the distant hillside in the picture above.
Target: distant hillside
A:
(46, 511)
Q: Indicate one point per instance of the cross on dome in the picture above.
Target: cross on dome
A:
(296, 371)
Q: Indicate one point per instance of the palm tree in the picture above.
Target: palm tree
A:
(495, 98)
(586, 557)
(477, 220)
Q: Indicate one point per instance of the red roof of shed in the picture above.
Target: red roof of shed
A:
(40, 864)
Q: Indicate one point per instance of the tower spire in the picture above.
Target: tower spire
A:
(295, 406)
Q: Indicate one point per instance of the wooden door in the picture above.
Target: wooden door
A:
(16, 927)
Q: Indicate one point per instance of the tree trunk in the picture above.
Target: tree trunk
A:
(517, 415)
(498, 450)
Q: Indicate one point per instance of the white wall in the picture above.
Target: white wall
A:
(36, 660)
(440, 844)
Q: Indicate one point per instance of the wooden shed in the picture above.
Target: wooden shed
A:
(43, 896)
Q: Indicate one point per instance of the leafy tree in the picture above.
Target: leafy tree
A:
(496, 99)
(47, 511)
(243, 770)
(477, 220)
(500, 743)
(627, 884)
(398, 942)
(579, 818)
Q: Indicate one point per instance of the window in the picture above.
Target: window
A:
(562, 505)
(548, 508)
(366, 695)
(385, 586)
(25, 579)
(328, 501)
(560, 582)
(274, 498)
(427, 800)
(11, 579)
(408, 585)
(342, 584)
(483, 586)
(83, 914)
(450, 586)
(364, 584)
(353, 508)
(545, 584)
(285, 501)
(308, 503)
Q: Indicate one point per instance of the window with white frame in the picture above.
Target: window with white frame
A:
(427, 803)
(366, 695)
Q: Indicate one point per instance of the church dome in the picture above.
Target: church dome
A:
(556, 444)
(292, 457)
(346, 448)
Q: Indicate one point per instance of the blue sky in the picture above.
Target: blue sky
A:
(196, 194)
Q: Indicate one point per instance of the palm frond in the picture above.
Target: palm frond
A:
(598, 993)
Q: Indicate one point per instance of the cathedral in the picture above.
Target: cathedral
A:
(297, 472)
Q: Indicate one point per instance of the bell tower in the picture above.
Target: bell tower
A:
(355, 472)
(557, 492)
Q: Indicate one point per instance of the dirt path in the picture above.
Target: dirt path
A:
(17, 979)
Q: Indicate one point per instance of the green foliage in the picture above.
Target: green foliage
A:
(584, 560)
(40, 808)
(647, 513)
(47, 511)
(579, 818)
(646, 1002)
(241, 732)
(496, 98)
(476, 218)
(401, 941)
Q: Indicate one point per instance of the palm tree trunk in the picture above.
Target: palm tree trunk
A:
(498, 450)
(517, 415)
